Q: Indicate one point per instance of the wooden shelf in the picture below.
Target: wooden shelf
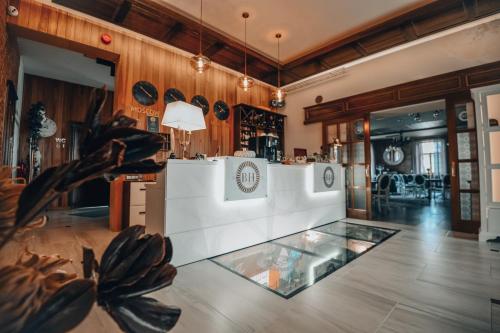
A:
(251, 120)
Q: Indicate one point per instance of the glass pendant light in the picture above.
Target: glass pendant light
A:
(279, 94)
(244, 81)
(200, 62)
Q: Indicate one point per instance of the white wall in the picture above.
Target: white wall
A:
(467, 48)
(17, 117)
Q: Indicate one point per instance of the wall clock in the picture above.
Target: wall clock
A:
(145, 93)
(358, 129)
(173, 95)
(201, 102)
(221, 110)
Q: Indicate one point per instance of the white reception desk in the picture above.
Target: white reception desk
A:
(191, 203)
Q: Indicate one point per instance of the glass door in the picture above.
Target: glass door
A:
(464, 164)
(354, 136)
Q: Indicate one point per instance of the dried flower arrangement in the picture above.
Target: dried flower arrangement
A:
(35, 295)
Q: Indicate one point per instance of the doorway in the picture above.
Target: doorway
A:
(60, 82)
(410, 174)
(438, 183)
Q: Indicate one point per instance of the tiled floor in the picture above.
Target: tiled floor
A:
(412, 211)
(420, 280)
(290, 264)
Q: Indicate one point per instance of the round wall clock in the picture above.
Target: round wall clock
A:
(201, 102)
(221, 110)
(358, 129)
(145, 93)
(173, 95)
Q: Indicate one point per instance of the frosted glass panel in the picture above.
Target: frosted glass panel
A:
(495, 147)
(343, 132)
(360, 199)
(493, 102)
(359, 152)
(331, 133)
(467, 145)
(495, 185)
(359, 175)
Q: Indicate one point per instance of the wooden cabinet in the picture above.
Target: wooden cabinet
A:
(134, 203)
(251, 121)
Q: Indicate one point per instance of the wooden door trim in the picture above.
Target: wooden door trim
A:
(456, 225)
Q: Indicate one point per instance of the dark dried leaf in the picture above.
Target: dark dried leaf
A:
(136, 263)
(9, 198)
(55, 181)
(39, 193)
(112, 255)
(157, 278)
(92, 118)
(147, 277)
(145, 315)
(140, 144)
(95, 165)
(142, 167)
(65, 309)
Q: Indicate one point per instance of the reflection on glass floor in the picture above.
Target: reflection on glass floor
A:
(290, 264)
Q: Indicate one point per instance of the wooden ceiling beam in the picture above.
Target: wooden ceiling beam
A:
(122, 11)
(360, 49)
(423, 20)
(214, 49)
(172, 32)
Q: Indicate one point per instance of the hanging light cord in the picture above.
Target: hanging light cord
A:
(201, 22)
(279, 80)
(245, 46)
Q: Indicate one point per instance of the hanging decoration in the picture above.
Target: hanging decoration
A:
(199, 62)
(244, 81)
(278, 100)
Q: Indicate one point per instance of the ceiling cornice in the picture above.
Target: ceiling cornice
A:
(165, 24)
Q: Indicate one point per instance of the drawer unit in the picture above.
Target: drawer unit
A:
(134, 203)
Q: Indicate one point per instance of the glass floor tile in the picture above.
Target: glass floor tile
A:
(357, 231)
(288, 265)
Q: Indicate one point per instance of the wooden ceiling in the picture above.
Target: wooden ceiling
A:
(162, 23)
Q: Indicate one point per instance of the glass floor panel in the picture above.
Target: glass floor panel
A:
(333, 247)
(288, 265)
(357, 231)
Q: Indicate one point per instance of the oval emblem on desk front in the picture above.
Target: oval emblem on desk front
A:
(247, 177)
(328, 177)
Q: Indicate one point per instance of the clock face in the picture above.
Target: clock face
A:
(276, 104)
(145, 93)
(221, 110)
(201, 102)
(173, 95)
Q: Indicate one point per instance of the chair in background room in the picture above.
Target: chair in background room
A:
(382, 190)
(446, 187)
(421, 186)
(409, 184)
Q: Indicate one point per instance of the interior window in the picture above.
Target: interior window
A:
(431, 157)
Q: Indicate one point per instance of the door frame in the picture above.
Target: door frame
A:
(457, 224)
(353, 212)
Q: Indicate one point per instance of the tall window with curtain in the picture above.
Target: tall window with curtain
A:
(430, 156)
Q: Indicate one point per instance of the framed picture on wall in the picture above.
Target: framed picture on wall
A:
(153, 124)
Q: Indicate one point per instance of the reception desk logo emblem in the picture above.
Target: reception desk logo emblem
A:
(328, 177)
(247, 177)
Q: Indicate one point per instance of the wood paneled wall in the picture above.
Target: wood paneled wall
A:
(9, 64)
(64, 103)
(141, 58)
(419, 91)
